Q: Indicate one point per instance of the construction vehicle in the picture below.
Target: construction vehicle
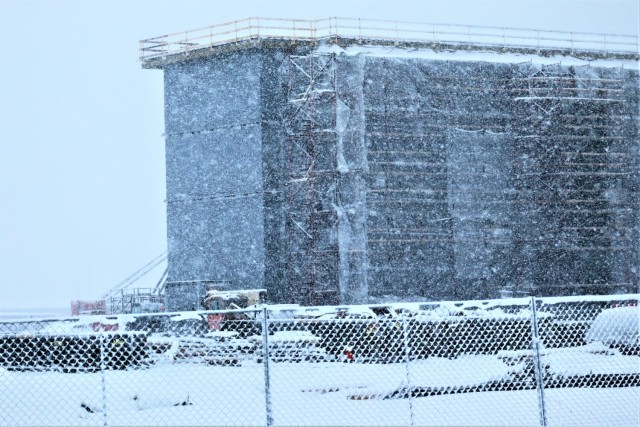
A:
(233, 300)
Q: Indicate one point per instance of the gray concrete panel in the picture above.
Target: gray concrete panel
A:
(218, 240)
(212, 92)
(219, 163)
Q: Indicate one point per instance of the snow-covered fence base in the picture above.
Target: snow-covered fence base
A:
(529, 361)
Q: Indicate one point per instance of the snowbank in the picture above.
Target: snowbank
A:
(616, 326)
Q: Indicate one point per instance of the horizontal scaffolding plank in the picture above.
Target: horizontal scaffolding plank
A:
(588, 285)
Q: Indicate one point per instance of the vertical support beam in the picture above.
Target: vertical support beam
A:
(535, 343)
(265, 361)
(407, 361)
(103, 368)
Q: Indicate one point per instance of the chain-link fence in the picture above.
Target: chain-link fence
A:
(542, 361)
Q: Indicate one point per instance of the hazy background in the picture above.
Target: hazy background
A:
(82, 185)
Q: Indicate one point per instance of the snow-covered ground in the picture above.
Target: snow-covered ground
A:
(184, 381)
(307, 394)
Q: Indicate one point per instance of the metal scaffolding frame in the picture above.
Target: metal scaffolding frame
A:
(568, 194)
(310, 124)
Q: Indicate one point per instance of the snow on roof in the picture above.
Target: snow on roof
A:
(474, 56)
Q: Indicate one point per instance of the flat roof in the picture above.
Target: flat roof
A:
(155, 52)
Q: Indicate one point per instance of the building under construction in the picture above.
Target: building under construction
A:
(342, 161)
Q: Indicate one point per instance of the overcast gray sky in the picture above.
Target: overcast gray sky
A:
(82, 183)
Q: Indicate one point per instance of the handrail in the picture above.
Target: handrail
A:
(395, 31)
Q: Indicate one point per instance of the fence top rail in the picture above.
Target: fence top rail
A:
(255, 28)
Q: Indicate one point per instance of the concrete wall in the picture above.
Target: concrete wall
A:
(331, 178)
(214, 170)
(479, 188)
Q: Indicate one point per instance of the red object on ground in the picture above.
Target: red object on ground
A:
(349, 356)
(88, 307)
(215, 321)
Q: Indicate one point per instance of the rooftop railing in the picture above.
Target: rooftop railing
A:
(381, 30)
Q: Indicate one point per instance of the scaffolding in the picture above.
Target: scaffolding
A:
(312, 265)
(136, 300)
(563, 219)
(562, 222)
(126, 299)
(574, 190)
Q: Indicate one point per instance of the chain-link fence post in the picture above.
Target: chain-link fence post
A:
(407, 361)
(103, 381)
(265, 361)
(535, 342)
